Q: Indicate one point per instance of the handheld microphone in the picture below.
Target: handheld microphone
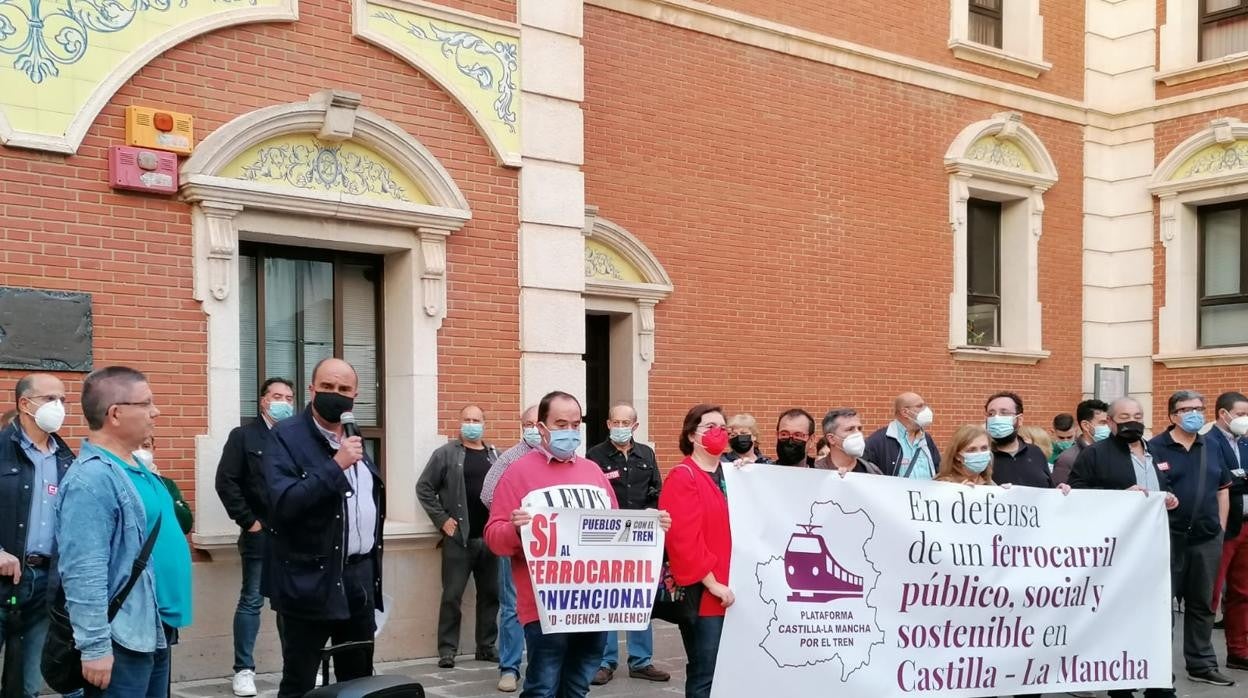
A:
(348, 424)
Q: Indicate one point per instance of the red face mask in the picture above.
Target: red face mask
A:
(715, 440)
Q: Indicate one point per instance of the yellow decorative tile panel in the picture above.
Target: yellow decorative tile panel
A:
(478, 66)
(602, 262)
(63, 59)
(305, 162)
(995, 152)
(1213, 160)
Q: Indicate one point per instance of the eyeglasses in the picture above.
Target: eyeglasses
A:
(799, 435)
(703, 428)
(50, 398)
(1189, 410)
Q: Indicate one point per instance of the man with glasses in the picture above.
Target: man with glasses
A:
(1196, 526)
(109, 504)
(793, 431)
(31, 450)
(241, 489)
(634, 475)
(1014, 461)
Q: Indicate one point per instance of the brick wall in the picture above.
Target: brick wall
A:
(1209, 381)
(802, 212)
(63, 228)
(920, 29)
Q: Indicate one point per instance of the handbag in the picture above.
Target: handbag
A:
(62, 662)
(675, 603)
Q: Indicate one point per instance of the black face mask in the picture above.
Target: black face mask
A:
(790, 452)
(741, 443)
(330, 406)
(1131, 431)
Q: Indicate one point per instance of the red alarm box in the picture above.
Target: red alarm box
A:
(140, 169)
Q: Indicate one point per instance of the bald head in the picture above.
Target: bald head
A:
(907, 401)
(528, 418)
(1126, 409)
(334, 366)
(622, 412)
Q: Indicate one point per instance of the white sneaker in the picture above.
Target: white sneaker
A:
(245, 683)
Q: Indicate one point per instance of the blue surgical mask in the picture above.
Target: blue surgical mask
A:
(1000, 426)
(976, 461)
(1100, 432)
(279, 410)
(564, 442)
(470, 431)
(1192, 422)
(532, 436)
(621, 435)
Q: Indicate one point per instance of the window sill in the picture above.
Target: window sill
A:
(1205, 69)
(996, 58)
(1226, 356)
(997, 355)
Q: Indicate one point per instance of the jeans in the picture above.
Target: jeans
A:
(701, 640)
(1193, 568)
(562, 665)
(247, 613)
(510, 634)
(458, 562)
(137, 674)
(26, 627)
(640, 649)
(304, 638)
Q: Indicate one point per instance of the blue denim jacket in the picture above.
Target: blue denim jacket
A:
(100, 529)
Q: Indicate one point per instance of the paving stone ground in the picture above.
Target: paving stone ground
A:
(473, 679)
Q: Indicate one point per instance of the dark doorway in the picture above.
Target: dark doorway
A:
(597, 377)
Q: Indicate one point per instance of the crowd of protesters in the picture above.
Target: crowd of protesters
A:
(310, 506)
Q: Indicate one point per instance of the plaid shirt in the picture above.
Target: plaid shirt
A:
(501, 465)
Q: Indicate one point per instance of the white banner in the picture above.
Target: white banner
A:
(593, 569)
(878, 586)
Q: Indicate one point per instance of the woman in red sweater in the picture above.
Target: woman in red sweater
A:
(699, 542)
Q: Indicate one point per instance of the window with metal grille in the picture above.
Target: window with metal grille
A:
(299, 306)
(1223, 275)
(1223, 28)
(983, 271)
(986, 20)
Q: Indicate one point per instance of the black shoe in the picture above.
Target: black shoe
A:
(1211, 677)
(1237, 662)
(487, 655)
(446, 662)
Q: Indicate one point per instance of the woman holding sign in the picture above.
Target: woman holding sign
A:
(699, 542)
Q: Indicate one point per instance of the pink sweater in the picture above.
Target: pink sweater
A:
(575, 484)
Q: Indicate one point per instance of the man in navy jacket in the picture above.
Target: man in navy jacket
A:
(326, 509)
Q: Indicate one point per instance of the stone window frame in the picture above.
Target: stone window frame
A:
(1022, 38)
(411, 238)
(1179, 54)
(974, 173)
(1179, 197)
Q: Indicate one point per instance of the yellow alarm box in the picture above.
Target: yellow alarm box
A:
(160, 129)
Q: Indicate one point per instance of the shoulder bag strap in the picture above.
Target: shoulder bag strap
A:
(918, 450)
(136, 570)
(1200, 482)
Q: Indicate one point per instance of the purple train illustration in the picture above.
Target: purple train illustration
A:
(814, 576)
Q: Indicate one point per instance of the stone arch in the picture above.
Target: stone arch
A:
(316, 190)
(996, 144)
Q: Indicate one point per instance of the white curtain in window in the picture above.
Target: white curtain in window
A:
(1224, 38)
(1222, 240)
(359, 336)
(247, 332)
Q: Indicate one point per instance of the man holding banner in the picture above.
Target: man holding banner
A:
(521, 526)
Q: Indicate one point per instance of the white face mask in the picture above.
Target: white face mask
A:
(50, 416)
(145, 459)
(854, 445)
(1239, 426)
(924, 418)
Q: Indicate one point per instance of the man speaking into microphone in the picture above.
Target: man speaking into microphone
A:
(326, 507)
